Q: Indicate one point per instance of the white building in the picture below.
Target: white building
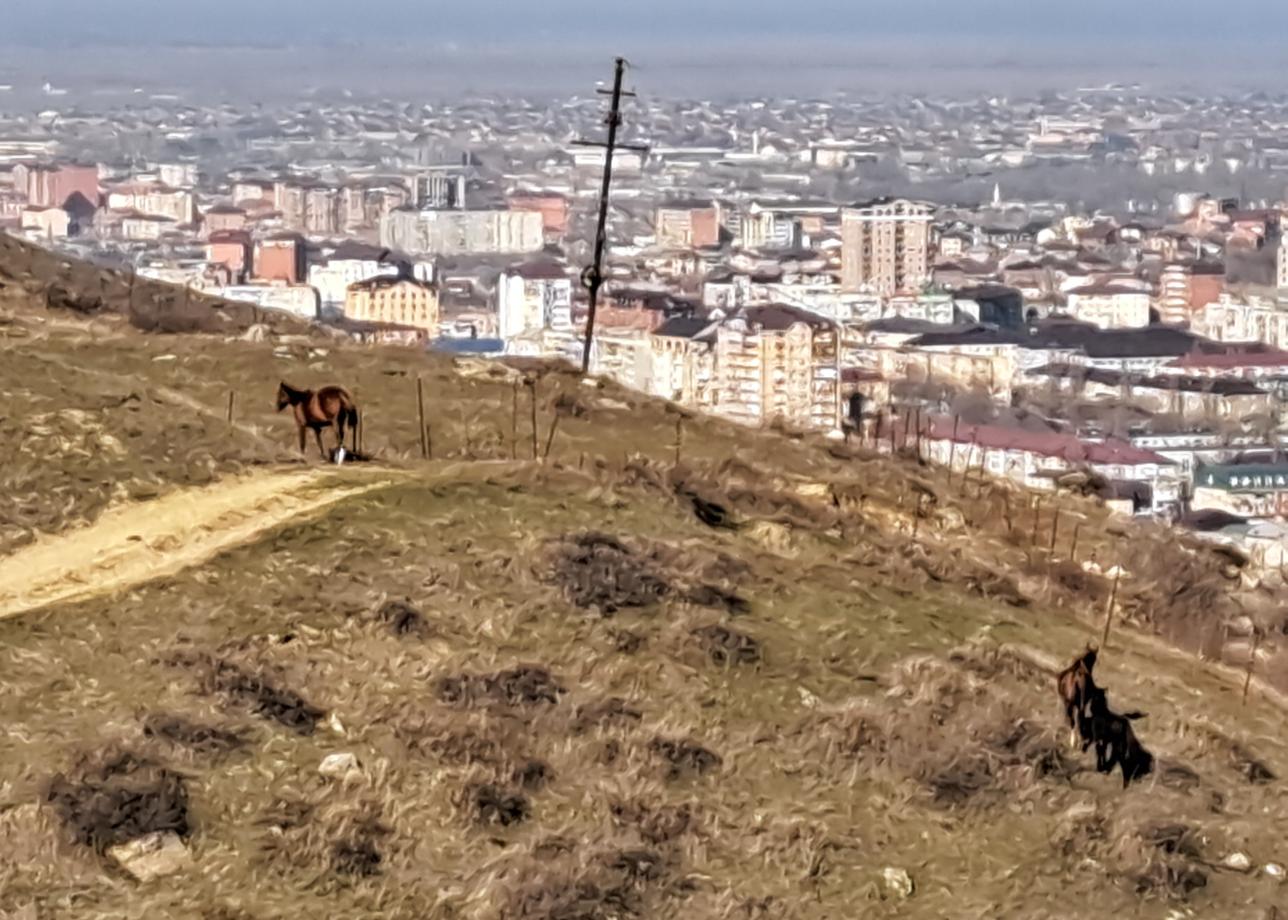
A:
(1109, 307)
(536, 295)
(463, 232)
(300, 299)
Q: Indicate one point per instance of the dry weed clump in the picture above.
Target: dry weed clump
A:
(683, 757)
(488, 803)
(610, 712)
(114, 796)
(521, 686)
(960, 737)
(1242, 760)
(603, 573)
(726, 646)
(558, 881)
(320, 831)
(208, 741)
(259, 692)
(1153, 858)
(402, 619)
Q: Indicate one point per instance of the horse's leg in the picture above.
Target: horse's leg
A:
(300, 429)
(339, 430)
(317, 433)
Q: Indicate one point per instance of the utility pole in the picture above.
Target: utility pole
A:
(593, 276)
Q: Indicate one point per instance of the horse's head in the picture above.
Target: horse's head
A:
(283, 396)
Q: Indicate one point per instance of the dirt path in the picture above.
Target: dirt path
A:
(139, 542)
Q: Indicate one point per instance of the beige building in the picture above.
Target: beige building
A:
(401, 301)
(1231, 318)
(682, 361)
(46, 223)
(687, 226)
(178, 205)
(777, 362)
(885, 246)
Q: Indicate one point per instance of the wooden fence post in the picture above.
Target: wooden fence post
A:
(232, 403)
(1037, 516)
(952, 448)
(550, 439)
(514, 422)
(1109, 611)
(679, 438)
(1073, 545)
(534, 418)
(1252, 663)
(420, 414)
(1055, 526)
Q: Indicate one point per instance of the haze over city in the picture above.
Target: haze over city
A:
(731, 460)
(723, 47)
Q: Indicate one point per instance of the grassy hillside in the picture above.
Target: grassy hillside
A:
(776, 679)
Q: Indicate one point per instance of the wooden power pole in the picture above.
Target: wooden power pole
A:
(593, 276)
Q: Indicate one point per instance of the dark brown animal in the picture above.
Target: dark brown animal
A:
(329, 407)
(1073, 685)
(1116, 743)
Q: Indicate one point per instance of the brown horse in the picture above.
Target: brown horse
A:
(328, 407)
(1075, 684)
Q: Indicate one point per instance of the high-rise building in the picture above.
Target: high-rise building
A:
(885, 246)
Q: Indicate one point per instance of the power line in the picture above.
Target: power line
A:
(593, 275)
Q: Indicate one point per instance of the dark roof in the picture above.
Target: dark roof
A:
(682, 327)
(1221, 386)
(971, 335)
(783, 316)
(539, 271)
(468, 346)
(385, 281)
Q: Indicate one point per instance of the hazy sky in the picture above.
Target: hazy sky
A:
(715, 21)
(262, 49)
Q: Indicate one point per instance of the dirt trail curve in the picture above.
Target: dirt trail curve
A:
(136, 543)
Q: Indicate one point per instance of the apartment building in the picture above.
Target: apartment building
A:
(687, 225)
(777, 362)
(463, 232)
(534, 295)
(1109, 306)
(399, 301)
(885, 246)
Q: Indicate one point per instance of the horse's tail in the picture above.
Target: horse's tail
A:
(354, 419)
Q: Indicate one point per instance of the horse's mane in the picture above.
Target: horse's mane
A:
(293, 391)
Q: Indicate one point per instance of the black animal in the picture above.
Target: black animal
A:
(1115, 741)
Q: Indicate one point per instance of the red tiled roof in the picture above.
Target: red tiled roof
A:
(1046, 443)
(1242, 359)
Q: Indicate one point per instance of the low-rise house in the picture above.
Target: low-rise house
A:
(1190, 398)
(1038, 459)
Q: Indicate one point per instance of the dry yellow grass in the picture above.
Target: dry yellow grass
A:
(754, 719)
